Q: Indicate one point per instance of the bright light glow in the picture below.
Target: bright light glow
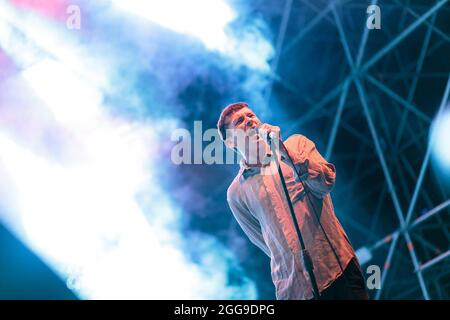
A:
(28, 37)
(364, 255)
(80, 212)
(72, 103)
(205, 19)
(441, 137)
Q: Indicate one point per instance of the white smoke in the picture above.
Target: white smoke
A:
(73, 172)
(209, 21)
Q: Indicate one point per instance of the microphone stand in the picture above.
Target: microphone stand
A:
(305, 254)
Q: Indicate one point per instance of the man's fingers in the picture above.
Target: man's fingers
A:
(269, 128)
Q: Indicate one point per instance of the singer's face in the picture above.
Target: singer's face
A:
(243, 124)
(244, 119)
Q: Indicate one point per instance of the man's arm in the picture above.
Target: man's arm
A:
(317, 173)
(249, 224)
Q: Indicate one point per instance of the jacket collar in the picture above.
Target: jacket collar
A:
(247, 170)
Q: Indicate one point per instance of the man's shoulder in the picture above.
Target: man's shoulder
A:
(295, 137)
(297, 140)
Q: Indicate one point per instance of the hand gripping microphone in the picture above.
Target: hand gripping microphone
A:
(266, 136)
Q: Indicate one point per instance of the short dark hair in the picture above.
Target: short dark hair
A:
(222, 124)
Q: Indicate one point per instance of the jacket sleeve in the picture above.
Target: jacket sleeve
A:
(249, 224)
(318, 174)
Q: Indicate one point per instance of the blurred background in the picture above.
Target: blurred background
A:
(91, 204)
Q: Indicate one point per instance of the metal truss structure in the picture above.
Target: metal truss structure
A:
(374, 117)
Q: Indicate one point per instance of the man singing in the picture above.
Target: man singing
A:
(259, 205)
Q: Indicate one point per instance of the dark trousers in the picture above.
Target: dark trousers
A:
(351, 285)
